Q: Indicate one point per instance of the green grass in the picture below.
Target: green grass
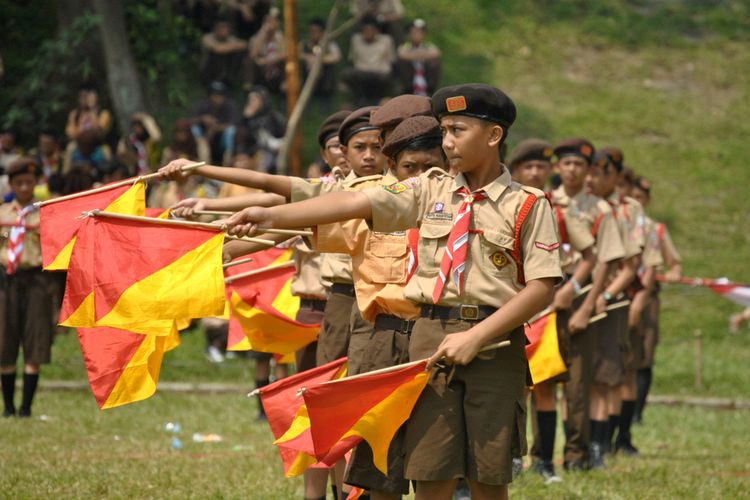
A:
(81, 452)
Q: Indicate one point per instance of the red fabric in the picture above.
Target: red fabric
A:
(80, 278)
(413, 241)
(16, 236)
(561, 225)
(534, 332)
(516, 254)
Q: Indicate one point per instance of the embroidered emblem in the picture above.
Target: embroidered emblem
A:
(549, 248)
(457, 103)
(438, 207)
(586, 149)
(396, 188)
(547, 153)
(499, 259)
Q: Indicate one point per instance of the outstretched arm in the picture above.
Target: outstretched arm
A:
(333, 207)
(187, 207)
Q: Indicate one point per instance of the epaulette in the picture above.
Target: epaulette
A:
(436, 172)
(603, 206)
(359, 181)
(532, 190)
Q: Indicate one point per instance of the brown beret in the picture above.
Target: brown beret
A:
(24, 165)
(575, 147)
(416, 129)
(330, 126)
(475, 99)
(616, 155)
(531, 149)
(398, 109)
(357, 121)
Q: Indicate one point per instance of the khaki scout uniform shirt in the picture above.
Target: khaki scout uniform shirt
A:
(307, 282)
(596, 215)
(32, 247)
(431, 202)
(669, 251)
(652, 253)
(630, 220)
(380, 261)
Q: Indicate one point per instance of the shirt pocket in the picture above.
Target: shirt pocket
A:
(386, 258)
(433, 238)
(497, 254)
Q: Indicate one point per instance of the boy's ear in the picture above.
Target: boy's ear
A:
(496, 134)
(391, 163)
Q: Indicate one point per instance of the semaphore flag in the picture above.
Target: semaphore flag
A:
(543, 351)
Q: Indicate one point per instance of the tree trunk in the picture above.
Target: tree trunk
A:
(122, 75)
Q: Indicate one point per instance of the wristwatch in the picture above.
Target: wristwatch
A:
(607, 296)
(576, 285)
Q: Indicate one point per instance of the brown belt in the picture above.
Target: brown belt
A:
(464, 312)
(388, 322)
(343, 288)
(314, 304)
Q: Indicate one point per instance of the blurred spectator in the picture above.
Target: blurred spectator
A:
(316, 169)
(77, 179)
(215, 119)
(113, 171)
(266, 55)
(244, 161)
(167, 193)
(185, 145)
(48, 154)
(248, 16)
(388, 13)
(261, 129)
(309, 50)
(419, 62)
(202, 12)
(89, 148)
(9, 149)
(372, 55)
(88, 114)
(221, 53)
(139, 149)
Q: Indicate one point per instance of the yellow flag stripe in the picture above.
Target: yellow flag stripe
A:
(546, 361)
(138, 381)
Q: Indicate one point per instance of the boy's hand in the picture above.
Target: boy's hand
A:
(456, 348)
(247, 222)
(563, 298)
(579, 320)
(186, 208)
(173, 170)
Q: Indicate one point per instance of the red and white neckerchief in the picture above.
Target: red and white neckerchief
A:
(419, 82)
(141, 154)
(457, 246)
(412, 236)
(16, 237)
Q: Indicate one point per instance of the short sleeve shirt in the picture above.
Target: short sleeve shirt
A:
(307, 281)
(32, 247)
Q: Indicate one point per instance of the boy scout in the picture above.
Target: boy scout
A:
(641, 192)
(382, 265)
(25, 301)
(573, 202)
(504, 264)
(612, 332)
(531, 165)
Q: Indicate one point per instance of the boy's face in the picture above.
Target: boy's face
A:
(23, 186)
(412, 163)
(573, 171)
(244, 161)
(416, 35)
(640, 195)
(222, 30)
(532, 173)
(601, 183)
(467, 141)
(363, 152)
(334, 156)
(315, 33)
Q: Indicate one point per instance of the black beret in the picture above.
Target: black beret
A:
(575, 147)
(416, 128)
(330, 126)
(616, 155)
(357, 121)
(601, 159)
(531, 149)
(24, 165)
(477, 100)
(398, 109)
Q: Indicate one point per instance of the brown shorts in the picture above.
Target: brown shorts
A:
(25, 317)
(383, 348)
(611, 348)
(333, 341)
(472, 425)
(359, 340)
(650, 332)
(634, 356)
(305, 357)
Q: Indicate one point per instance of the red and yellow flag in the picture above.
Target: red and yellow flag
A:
(543, 350)
(123, 367)
(60, 221)
(263, 309)
(141, 276)
(367, 406)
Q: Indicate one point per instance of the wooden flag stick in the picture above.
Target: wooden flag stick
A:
(290, 232)
(262, 270)
(617, 305)
(594, 319)
(221, 213)
(114, 185)
(237, 262)
(249, 239)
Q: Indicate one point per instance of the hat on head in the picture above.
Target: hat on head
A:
(575, 147)
(531, 149)
(357, 121)
(398, 109)
(477, 100)
(411, 131)
(330, 126)
(615, 154)
(24, 165)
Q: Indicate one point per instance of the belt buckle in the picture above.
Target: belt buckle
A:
(405, 326)
(468, 312)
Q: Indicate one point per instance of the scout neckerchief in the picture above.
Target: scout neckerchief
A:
(413, 242)
(420, 81)
(140, 152)
(457, 246)
(15, 240)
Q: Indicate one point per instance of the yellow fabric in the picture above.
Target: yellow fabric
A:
(63, 258)
(299, 425)
(172, 340)
(380, 423)
(546, 361)
(138, 381)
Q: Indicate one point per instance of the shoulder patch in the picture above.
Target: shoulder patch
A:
(396, 188)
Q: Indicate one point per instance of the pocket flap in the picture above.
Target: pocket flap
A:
(435, 231)
(499, 239)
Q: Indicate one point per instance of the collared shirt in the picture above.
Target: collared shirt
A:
(630, 220)
(652, 254)
(669, 250)
(32, 246)
(596, 215)
(431, 202)
(379, 261)
(377, 56)
(307, 281)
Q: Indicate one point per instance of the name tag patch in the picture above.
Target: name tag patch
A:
(445, 216)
